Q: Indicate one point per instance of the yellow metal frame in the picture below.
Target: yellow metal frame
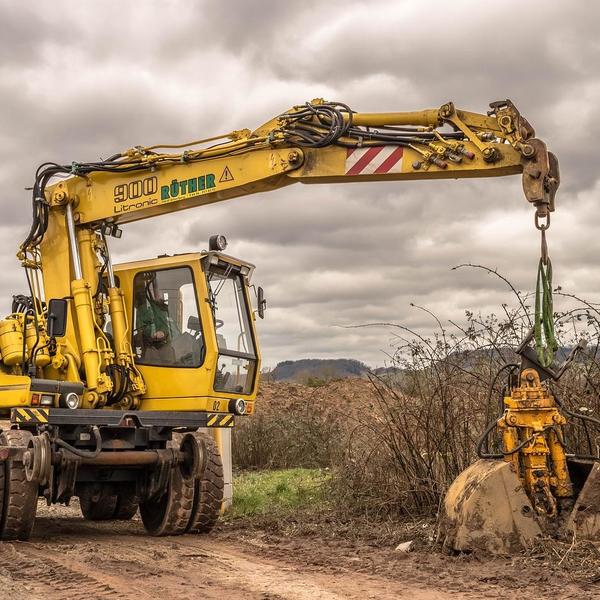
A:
(247, 162)
(532, 435)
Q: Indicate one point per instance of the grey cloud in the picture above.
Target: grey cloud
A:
(23, 34)
(81, 80)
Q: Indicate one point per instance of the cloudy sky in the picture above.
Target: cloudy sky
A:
(80, 80)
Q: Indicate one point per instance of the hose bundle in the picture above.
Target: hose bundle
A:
(330, 123)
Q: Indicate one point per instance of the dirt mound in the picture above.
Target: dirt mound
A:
(343, 395)
(296, 425)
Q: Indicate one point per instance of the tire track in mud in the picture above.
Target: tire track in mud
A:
(130, 561)
(118, 560)
(194, 565)
(197, 566)
(244, 575)
(38, 572)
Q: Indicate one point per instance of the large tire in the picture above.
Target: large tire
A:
(20, 495)
(2, 490)
(208, 488)
(170, 514)
(97, 506)
(127, 506)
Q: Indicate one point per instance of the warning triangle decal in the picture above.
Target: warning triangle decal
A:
(226, 176)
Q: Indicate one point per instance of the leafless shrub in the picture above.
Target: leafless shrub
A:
(291, 428)
(432, 407)
(395, 448)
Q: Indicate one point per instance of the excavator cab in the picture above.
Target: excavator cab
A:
(192, 331)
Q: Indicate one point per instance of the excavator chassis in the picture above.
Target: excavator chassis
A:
(92, 337)
(114, 461)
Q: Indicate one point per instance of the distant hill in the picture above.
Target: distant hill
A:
(318, 371)
(312, 370)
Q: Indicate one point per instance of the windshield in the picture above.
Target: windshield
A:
(237, 354)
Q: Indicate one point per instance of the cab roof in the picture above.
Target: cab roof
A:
(166, 260)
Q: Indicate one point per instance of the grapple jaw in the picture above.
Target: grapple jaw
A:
(487, 510)
(533, 487)
(584, 519)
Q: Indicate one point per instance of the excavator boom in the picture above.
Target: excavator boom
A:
(319, 142)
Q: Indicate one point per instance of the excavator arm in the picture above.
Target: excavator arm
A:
(77, 206)
(319, 142)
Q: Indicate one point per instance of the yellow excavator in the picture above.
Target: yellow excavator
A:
(108, 372)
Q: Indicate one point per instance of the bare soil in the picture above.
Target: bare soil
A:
(68, 557)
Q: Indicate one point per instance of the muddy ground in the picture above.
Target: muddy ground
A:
(68, 558)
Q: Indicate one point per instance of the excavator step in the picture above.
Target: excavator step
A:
(119, 418)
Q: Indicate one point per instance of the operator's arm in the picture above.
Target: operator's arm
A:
(144, 321)
(155, 324)
(318, 142)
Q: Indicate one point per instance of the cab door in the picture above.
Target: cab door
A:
(238, 360)
(172, 334)
(192, 332)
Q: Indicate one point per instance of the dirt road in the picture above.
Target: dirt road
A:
(71, 558)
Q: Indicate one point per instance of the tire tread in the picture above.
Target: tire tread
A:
(208, 489)
(20, 495)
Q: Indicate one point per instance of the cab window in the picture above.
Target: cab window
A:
(166, 325)
(236, 368)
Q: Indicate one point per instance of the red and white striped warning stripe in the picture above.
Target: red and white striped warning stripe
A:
(374, 160)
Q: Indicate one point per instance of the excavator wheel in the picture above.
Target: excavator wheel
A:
(2, 490)
(171, 513)
(20, 496)
(96, 503)
(486, 509)
(208, 488)
(127, 506)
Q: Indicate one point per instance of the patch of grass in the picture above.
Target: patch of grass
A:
(278, 492)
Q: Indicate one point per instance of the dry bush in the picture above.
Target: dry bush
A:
(292, 427)
(396, 442)
(431, 410)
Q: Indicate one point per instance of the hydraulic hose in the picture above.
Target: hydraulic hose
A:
(483, 452)
(83, 453)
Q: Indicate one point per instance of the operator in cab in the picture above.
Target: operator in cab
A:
(155, 328)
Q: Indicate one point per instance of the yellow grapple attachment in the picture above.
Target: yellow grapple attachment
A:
(533, 487)
(487, 509)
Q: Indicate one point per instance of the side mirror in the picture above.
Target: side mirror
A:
(57, 318)
(262, 303)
